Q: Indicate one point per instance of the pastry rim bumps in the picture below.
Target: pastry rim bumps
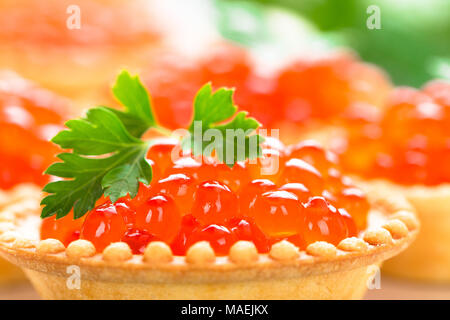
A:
(18, 196)
(396, 229)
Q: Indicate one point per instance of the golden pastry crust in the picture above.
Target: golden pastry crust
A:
(428, 258)
(322, 271)
(14, 201)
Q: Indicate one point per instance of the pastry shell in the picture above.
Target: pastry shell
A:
(14, 200)
(428, 258)
(322, 271)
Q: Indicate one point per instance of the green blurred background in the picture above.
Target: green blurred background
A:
(412, 45)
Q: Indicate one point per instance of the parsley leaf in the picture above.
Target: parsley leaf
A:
(108, 157)
(103, 132)
(233, 140)
(138, 115)
(99, 133)
(86, 186)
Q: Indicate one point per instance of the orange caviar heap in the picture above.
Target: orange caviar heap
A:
(191, 199)
(409, 143)
(319, 88)
(29, 118)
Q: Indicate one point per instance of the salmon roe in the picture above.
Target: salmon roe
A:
(29, 117)
(409, 143)
(208, 202)
(320, 88)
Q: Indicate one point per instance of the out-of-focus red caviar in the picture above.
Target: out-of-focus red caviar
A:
(29, 117)
(408, 143)
(306, 89)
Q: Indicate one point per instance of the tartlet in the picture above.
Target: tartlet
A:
(111, 34)
(12, 201)
(424, 181)
(305, 89)
(428, 258)
(319, 270)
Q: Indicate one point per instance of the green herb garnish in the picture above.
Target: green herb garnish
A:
(232, 140)
(108, 155)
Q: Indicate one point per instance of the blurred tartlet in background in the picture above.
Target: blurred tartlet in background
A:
(30, 116)
(406, 148)
(41, 41)
(291, 97)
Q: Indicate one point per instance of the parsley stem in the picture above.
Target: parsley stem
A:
(162, 130)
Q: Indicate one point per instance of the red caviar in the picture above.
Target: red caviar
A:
(180, 244)
(29, 117)
(105, 224)
(160, 216)
(320, 88)
(277, 213)
(214, 203)
(297, 170)
(198, 205)
(138, 239)
(65, 229)
(249, 192)
(219, 237)
(409, 143)
(323, 222)
(247, 230)
(181, 188)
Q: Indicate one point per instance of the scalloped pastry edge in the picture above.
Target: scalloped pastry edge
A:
(377, 243)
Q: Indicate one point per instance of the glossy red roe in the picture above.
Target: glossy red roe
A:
(300, 171)
(311, 152)
(179, 245)
(277, 213)
(234, 177)
(298, 240)
(214, 203)
(269, 166)
(219, 237)
(188, 166)
(273, 143)
(161, 153)
(138, 239)
(246, 229)
(182, 208)
(144, 193)
(65, 229)
(103, 225)
(355, 202)
(323, 222)
(181, 188)
(159, 216)
(249, 192)
(299, 189)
